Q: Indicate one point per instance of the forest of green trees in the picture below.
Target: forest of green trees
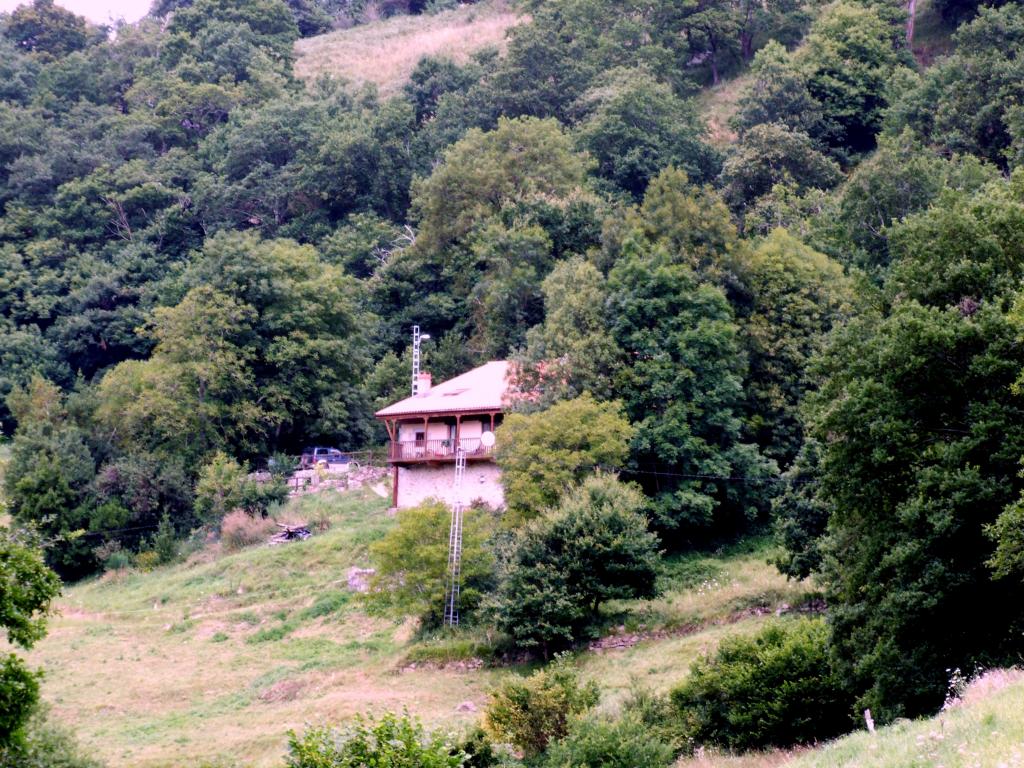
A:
(816, 328)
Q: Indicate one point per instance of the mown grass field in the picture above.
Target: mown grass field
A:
(217, 658)
(386, 52)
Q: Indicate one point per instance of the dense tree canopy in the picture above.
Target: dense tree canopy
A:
(921, 452)
(682, 388)
(969, 102)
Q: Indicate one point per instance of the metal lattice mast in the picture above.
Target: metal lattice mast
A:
(451, 602)
(415, 359)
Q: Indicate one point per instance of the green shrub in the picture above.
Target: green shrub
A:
(479, 749)
(391, 742)
(181, 627)
(411, 563)
(435, 7)
(448, 648)
(224, 486)
(19, 693)
(281, 466)
(777, 688)
(165, 541)
(600, 743)
(541, 454)
(117, 560)
(272, 634)
(45, 745)
(147, 560)
(218, 489)
(531, 713)
(593, 548)
(655, 712)
(325, 605)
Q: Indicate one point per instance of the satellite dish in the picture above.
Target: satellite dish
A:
(487, 439)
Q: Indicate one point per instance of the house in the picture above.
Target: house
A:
(426, 430)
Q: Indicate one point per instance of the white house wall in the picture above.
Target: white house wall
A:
(421, 482)
(438, 431)
(407, 432)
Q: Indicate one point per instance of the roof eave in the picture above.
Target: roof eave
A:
(448, 412)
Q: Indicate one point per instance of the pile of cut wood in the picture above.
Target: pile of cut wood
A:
(290, 533)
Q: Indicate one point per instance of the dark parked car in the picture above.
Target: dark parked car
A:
(330, 456)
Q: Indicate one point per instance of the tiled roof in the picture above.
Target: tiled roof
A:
(481, 389)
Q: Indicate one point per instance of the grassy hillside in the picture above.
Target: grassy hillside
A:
(148, 667)
(985, 728)
(385, 53)
(214, 660)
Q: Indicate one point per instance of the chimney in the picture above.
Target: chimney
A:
(423, 384)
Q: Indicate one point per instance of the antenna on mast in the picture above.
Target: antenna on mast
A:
(417, 337)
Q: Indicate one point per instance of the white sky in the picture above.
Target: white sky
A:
(99, 11)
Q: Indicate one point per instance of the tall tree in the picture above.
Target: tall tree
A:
(847, 59)
(795, 297)
(572, 351)
(899, 179)
(521, 183)
(48, 30)
(265, 351)
(967, 103)
(985, 230)
(682, 389)
(635, 126)
(777, 93)
(47, 481)
(921, 444)
(767, 155)
(545, 453)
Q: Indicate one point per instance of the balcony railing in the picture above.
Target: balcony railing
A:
(437, 450)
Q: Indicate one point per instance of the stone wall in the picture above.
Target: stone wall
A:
(420, 482)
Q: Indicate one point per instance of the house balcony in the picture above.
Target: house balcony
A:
(414, 451)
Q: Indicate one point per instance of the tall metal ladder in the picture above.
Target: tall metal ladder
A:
(451, 597)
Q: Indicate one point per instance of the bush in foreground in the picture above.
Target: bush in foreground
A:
(775, 689)
(531, 713)
(391, 742)
(411, 563)
(599, 743)
(46, 745)
(593, 548)
(27, 590)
